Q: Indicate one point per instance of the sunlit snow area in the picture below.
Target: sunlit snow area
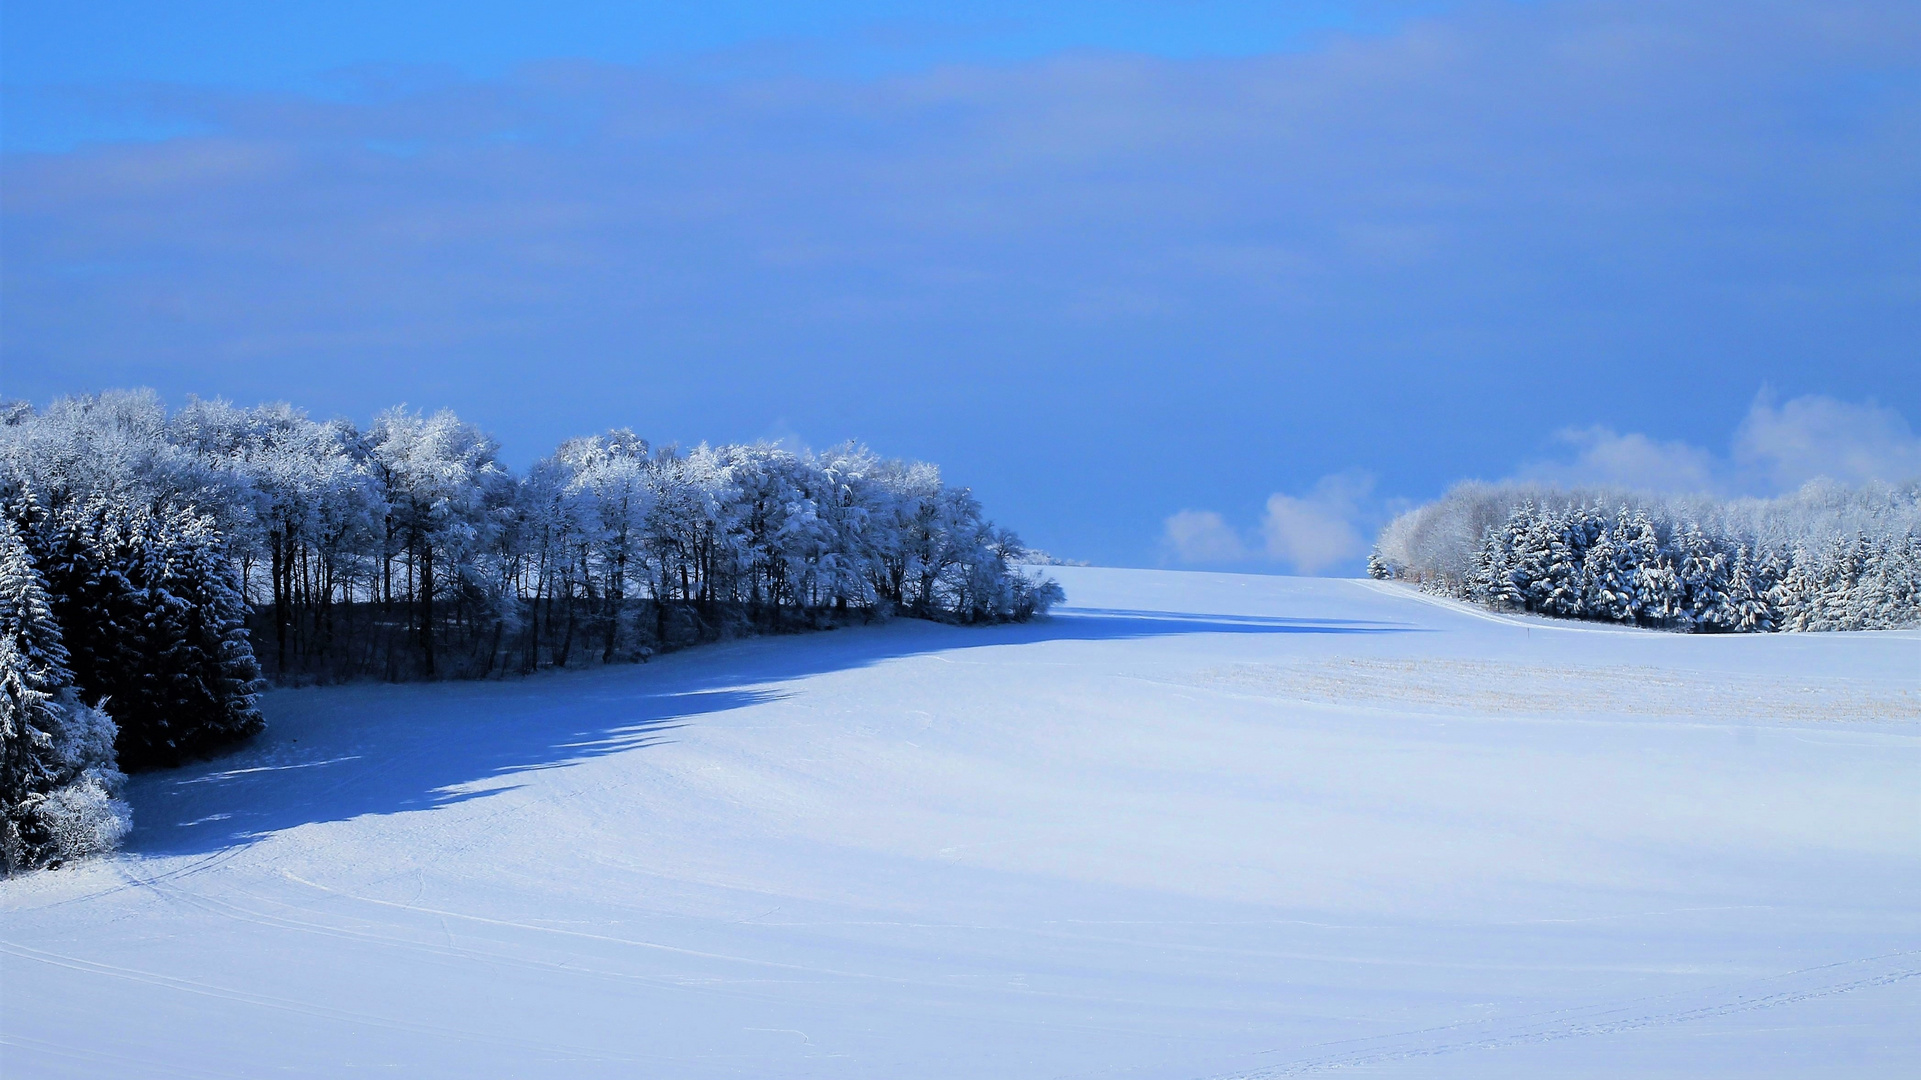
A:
(1190, 826)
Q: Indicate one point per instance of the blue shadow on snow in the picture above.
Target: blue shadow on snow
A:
(367, 748)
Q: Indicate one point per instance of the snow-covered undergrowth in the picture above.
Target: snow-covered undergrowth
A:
(1193, 826)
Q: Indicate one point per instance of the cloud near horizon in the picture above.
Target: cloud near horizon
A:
(1203, 536)
(1308, 533)
(1814, 436)
(1776, 449)
(1319, 530)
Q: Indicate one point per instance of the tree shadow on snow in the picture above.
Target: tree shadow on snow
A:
(343, 752)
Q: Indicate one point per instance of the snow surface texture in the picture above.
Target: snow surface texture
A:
(1193, 826)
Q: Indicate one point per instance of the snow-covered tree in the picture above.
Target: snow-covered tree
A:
(1701, 567)
(155, 626)
(446, 495)
(1745, 609)
(1564, 591)
(59, 788)
(1608, 571)
(1823, 558)
(408, 550)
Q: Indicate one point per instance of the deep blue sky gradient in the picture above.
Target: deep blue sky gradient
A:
(1105, 264)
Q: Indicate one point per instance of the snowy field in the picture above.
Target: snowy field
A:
(1193, 826)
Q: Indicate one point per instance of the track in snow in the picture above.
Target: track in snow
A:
(1194, 826)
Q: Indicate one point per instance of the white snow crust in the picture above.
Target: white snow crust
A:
(1192, 826)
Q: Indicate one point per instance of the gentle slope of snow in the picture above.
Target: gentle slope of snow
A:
(1194, 826)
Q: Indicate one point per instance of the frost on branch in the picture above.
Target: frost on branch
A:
(262, 540)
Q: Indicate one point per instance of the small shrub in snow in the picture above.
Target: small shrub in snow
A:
(86, 816)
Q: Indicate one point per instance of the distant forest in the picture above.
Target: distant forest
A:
(157, 569)
(1827, 557)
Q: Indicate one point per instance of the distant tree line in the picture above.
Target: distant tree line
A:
(169, 564)
(1825, 558)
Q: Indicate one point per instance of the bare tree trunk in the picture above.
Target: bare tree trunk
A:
(427, 606)
(567, 643)
(280, 612)
(616, 592)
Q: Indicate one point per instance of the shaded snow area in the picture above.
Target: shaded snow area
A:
(1192, 826)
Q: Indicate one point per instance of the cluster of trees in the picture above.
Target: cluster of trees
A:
(187, 555)
(1825, 558)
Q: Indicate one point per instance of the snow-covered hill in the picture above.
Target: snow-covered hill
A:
(1192, 826)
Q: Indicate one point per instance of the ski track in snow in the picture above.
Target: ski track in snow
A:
(1195, 827)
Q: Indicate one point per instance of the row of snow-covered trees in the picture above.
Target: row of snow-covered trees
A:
(1825, 558)
(183, 554)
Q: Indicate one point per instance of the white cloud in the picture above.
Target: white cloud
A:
(1818, 436)
(1775, 449)
(1310, 533)
(1605, 458)
(1202, 536)
(1315, 532)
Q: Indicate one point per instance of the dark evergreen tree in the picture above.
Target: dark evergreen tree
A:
(1609, 573)
(1745, 608)
(1835, 574)
(1564, 593)
(27, 723)
(158, 628)
(1794, 592)
(1657, 591)
(1701, 567)
(58, 786)
(1494, 571)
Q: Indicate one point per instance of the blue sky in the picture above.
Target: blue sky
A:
(1205, 282)
(68, 62)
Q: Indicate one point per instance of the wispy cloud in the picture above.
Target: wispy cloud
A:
(1308, 533)
(1320, 529)
(1374, 251)
(1202, 536)
(1776, 448)
(1784, 446)
(1604, 457)
(1108, 188)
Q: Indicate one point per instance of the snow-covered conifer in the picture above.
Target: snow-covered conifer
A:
(1824, 557)
(59, 789)
(1744, 606)
(1702, 569)
(1563, 591)
(156, 626)
(1608, 570)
